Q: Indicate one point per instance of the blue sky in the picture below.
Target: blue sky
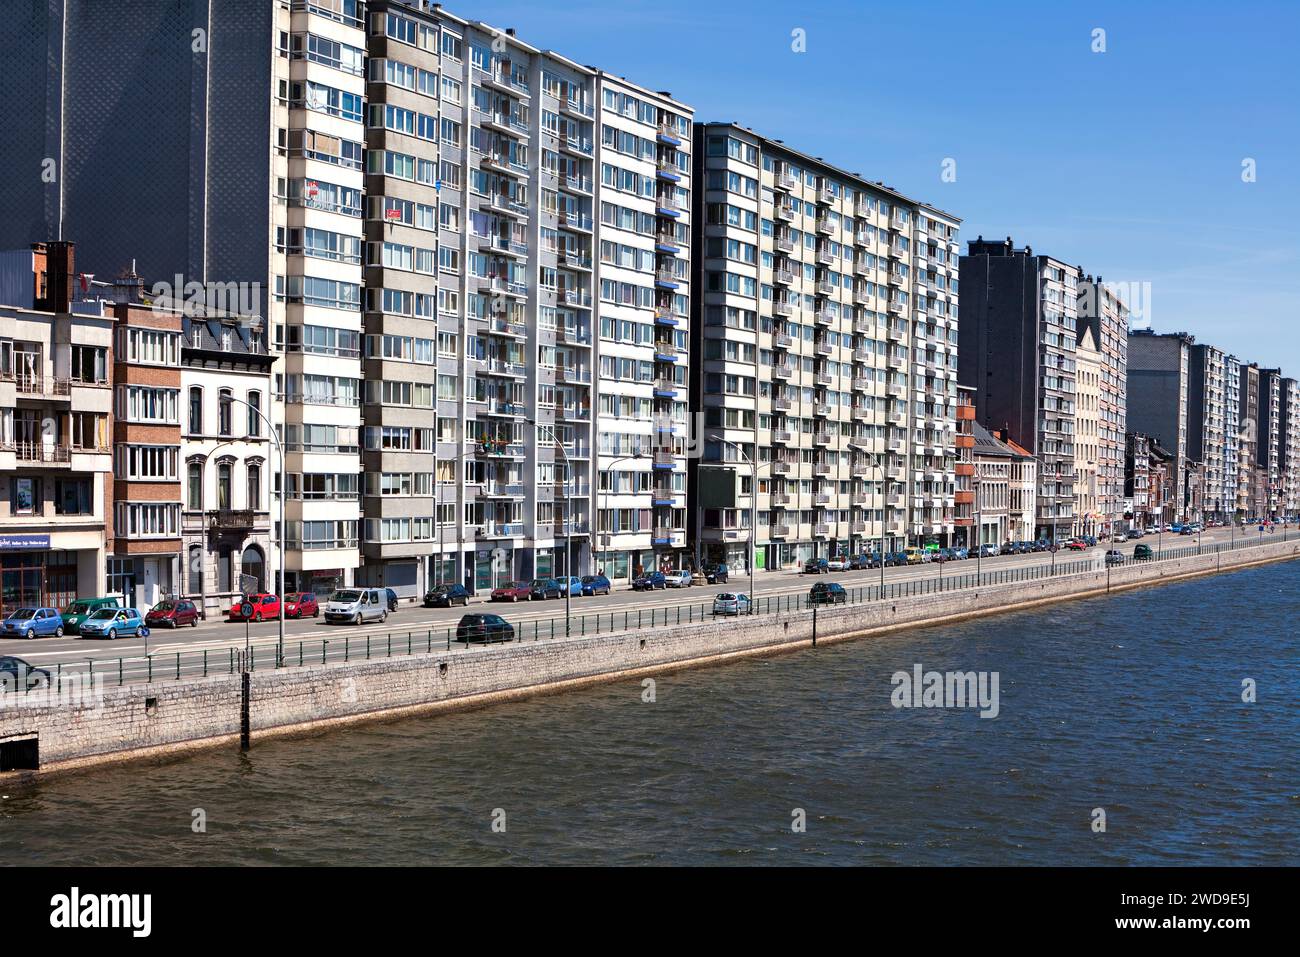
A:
(1127, 162)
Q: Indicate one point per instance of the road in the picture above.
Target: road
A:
(219, 637)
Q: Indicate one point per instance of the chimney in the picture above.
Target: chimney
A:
(60, 272)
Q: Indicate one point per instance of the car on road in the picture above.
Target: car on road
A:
(33, 622)
(595, 585)
(541, 589)
(1143, 553)
(729, 603)
(1114, 557)
(837, 563)
(265, 607)
(114, 623)
(22, 673)
(916, 556)
(301, 604)
(444, 596)
(1090, 539)
(1040, 546)
(1135, 533)
(716, 572)
(357, 606)
(83, 608)
(484, 627)
(1187, 530)
(172, 612)
(512, 591)
(1119, 538)
(961, 554)
(816, 566)
(827, 593)
(989, 550)
(573, 583)
(1176, 528)
(699, 578)
(896, 559)
(649, 581)
(1076, 545)
(680, 578)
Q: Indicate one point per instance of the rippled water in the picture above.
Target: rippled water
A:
(1131, 704)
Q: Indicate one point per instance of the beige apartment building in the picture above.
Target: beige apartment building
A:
(1088, 517)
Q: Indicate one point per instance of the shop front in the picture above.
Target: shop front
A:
(33, 574)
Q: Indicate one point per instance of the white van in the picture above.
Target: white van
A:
(357, 605)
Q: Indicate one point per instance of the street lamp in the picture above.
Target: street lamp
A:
(606, 537)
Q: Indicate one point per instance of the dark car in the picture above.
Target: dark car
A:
(484, 627)
(716, 573)
(871, 560)
(173, 613)
(444, 596)
(1039, 546)
(512, 591)
(595, 585)
(1090, 539)
(542, 588)
(1008, 548)
(649, 581)
(896, 559)
(816, 566)
(827, 593)
(1142, 553)
(941, 555)
(392, 599)
(18, 675)
(301, 604)
(961, 554)
(1114, 557)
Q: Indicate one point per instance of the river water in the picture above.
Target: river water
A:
(1131, 704)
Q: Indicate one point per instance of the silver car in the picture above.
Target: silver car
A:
(357, 605)
(729, 603)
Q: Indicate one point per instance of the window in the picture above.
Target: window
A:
(145, 404)
(73, 497)
(223, 485)
(196, 410)
(194, 489)
(196, 570)
(254, 416)
(254, 489)
(24, 493)
(225, 412)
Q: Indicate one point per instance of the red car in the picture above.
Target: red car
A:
(173, 613)
(265, 607)
(513, 591)
(1076, 545)
(301, 604)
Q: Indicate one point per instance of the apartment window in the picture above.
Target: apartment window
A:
(90, 364)
(196, 570)
(254, 413)
(223, 485)
(225, 412)
(145, 404)
(148, 519)
(196, 410)
(194, 488)
(24, 494)
(73, 497)
(254, 487)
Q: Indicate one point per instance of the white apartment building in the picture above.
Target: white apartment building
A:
(1088, 518)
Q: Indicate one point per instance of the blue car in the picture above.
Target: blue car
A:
(113, 623)
(595, 585)
(573, 583)
(34, 623)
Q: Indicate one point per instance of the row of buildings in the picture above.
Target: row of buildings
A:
(468, 310)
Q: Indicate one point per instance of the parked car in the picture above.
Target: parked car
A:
(728, 603)
(357, 605)
(1114, 557)
(597, 585)
(816, 566)
(1119, 538)
(1136, 533)
(679, 579)
(265, 606)
(23, 673)
(512, 591)
(837, 563)
(871, 560)
(83, 608)
(699, 578)
(573, 583)
(827, 593)
(112, 623)
(301, 604)
(172, 612)
(1040, 545)
(544, 588)
(392, 599)
(716, 573)
(1090, 539)
(1143, 553)
(1176, 528)
(34, 623)
(916, 556)
(444, 596)
(941, 555)
(1076, 545)
(896, 559)
(961, 554)
(989, 550)
(484, 627)
(649, 581)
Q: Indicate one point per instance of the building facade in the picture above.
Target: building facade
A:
(1088, 517)
(1103, 314)
(825, 335)
(1289, 448)
(1269, 444)
(1208, 424)
(1159, 388)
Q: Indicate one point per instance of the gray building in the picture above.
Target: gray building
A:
(1160, 388)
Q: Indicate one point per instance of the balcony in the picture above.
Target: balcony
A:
(825, 194)
(821, 498)
(231, 519)
(785, 244)
(821, 531)
(665, 388)
(822, 438)
(506, 490)
(822, 347)
(664, 460)
(782, 436)
(821, 409)
(782, 371)
(782, 341)
(51, 387)
(821, 468)
(783, 212)
(780, 467)
(782, 405)
(780, 531)
(498, 448)
(779, 499)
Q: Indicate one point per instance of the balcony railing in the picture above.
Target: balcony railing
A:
(232, 519)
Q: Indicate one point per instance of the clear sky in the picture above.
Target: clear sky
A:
(1127, 162)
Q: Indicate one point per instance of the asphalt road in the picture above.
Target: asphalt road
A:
(218, 637)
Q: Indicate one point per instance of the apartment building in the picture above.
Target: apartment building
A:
(1231, 498)
(964, 480)
(1105, 316)
(1137, 481)
(145, 554)
(994, 464)
(1159, 388)
(1017, 349)
(232, 464)
(56, 431)
(1289, 447)
(1208, 424)
(825, 341)
(1022, 490)
(1089, 520)
(1269, 444)
(1248, 491)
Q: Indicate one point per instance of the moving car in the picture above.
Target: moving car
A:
(114, 623)
(595, 585)
(816, 566)
(649, 581)
(83, 608)
(512, 591)
(679, 579)
(357, 605)
(23, 674)
(1136, 533)
(172, 612)
(265, 606)
(827, 593)
(1142, 553)
(484, 627)
(728, 603)
(300, 604)
(543, 588)
(1076, 544)
(444, 596)
(33, 623)
(716, 573)
(1114, 557)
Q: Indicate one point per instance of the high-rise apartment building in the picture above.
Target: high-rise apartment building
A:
(1159, 389)
(1089, 520)
(1289, 447)
(825, 336)
(1103, 314)
(1248, 496)
(1269, 448)
(1018, 342)
(1231, 436)
(1208, 424)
